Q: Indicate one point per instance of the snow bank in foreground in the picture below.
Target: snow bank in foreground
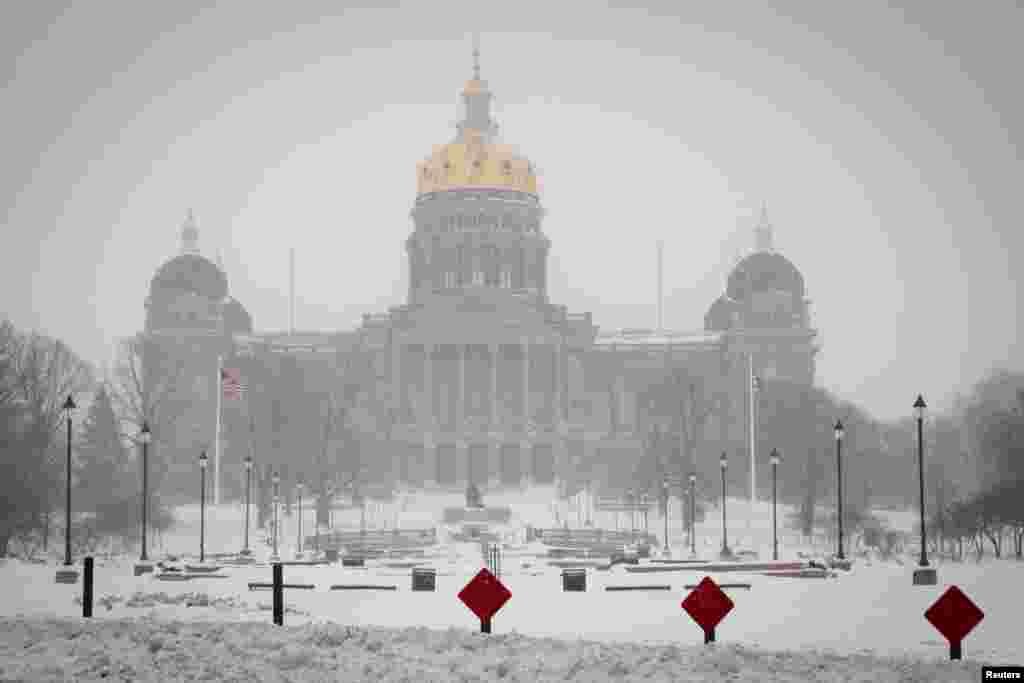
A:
(149, 650)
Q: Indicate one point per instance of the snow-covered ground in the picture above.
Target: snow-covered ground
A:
(845, 628)
(148, 650)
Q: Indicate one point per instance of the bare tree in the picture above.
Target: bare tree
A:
(148, 387)
(40, 373)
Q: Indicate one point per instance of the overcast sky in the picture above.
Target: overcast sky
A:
(886, 142)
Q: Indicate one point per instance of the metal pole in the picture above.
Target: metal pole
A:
(920, 457)
(839, 471)
(248, 486)
(202, 514)
(145, 496)
(666, 518)
(67, 506)
(693, 519)
(775, 518)
(725, 532)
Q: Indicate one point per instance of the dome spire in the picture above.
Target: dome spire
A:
(477, 125)
(190, 235)
(476, 56)
(763, 231)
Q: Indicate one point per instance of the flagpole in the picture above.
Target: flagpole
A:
(216, 447)
(752, 388)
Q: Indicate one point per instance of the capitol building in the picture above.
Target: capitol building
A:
(479, 376)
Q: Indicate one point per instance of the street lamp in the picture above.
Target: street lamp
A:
(664, 492)
(202, 506)
(919, 407)
(248, 488)
(145, 436)
(693, 514)
(775, 459)
(69, 406)
(724, 464)
(276, 479)
(838, 429)
(299, 487)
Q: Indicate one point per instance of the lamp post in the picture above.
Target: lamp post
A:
(919, 407)
(69, 406)
(276, 479)
(775, 459)
(202, 506)
(693, 514)
(299, 486)
(664, 492)
(144, 438)
(724, 463)
(248, 488)
(838, 429)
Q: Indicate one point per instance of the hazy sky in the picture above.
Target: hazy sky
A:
(886, 142)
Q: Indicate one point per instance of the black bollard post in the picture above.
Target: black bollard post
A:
(485, 626)
(955, 652)
(709, 635)
(87, 588)
(278, 595)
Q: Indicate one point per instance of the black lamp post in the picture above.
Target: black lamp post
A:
(838, 429)
(299, 487)
(664, 492)
(919, 406)
(693, 514)
(276, 479)
(69, 406)
(202, 506)
(145, 436)
(248, 488)
(724, 463)
(775, 459)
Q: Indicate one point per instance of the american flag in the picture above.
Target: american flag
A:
(231, 383)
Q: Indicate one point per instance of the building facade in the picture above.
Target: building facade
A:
(479, 376)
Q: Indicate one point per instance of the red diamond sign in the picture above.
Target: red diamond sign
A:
(708, 605)
(954, 615)
(485, 595)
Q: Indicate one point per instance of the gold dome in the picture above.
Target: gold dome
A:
(475, 159)
(475, 164)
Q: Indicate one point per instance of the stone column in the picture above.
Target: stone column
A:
(428, 384)
(494, 349)
(566, 382)
(525, 462)
(620, 396)
(461, 463)
(396, 404)
(526, 381)
(559, 371)
(396, 376)
(429, 463)
(460, 389)
(493, 464)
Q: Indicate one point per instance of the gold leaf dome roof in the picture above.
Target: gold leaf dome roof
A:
(475, 164)
(476, 159)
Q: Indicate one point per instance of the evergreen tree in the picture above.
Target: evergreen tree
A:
(105, 475)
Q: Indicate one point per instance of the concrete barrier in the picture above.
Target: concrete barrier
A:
(639, 588)
(363, 587)
(259, 585)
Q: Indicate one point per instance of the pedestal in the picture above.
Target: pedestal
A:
(925, 576)
(67, 575)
